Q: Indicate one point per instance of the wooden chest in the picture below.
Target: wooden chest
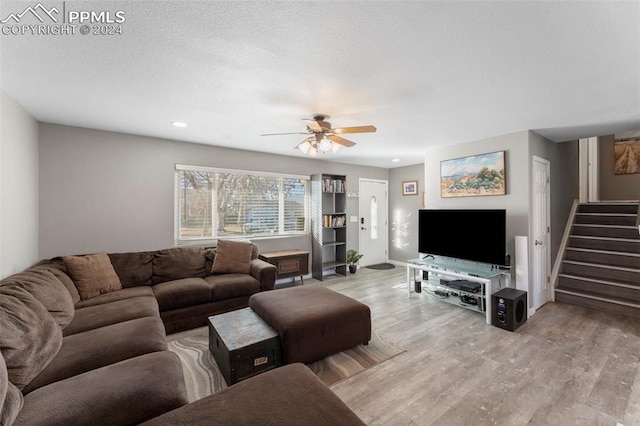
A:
(243, 344)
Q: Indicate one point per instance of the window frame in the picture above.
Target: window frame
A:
(200, 240)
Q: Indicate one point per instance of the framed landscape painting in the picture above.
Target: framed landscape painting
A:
(626, 152)
(473, 176)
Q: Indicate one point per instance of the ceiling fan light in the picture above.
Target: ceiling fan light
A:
(325, 145)
(313, 151)
(335, 147)
(304, 147)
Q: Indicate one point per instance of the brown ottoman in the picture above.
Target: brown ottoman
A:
(313, 321)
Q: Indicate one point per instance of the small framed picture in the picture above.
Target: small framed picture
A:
(410, 187)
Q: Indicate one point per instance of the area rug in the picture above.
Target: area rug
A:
(202, 376)
(381, 266)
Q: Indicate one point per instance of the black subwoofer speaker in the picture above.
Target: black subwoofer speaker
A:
(509, 308)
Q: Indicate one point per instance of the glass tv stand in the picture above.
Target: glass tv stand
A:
(488, 276)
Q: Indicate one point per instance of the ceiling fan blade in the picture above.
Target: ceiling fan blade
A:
(341, 141)
(313, 125)
(357, 129)
(278, 134)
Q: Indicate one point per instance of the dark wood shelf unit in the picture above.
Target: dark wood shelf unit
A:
(329, 225)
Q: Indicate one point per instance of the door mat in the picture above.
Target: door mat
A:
(381, 266)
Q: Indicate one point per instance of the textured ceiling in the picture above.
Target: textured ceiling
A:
(426, 74)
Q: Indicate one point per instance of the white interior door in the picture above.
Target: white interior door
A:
(541, 253)
(374, 224)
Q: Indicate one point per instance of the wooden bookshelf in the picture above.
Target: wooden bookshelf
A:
(329, 225)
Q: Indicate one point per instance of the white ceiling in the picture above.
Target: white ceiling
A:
(426, 74)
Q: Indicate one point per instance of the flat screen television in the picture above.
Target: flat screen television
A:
(475, 235)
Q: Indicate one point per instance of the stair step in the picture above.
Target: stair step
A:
(603, 288)
(621, 207)
(616, 306)
(603, 257)
(605, 243)
(612, 231)
(601, 265)
(608, 272)
(623, 219)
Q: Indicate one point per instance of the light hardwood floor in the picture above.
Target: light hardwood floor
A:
(566, 365)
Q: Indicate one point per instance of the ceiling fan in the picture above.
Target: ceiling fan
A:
(321, 137)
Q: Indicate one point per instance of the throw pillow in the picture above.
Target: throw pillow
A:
(232, 257)
(92, 274)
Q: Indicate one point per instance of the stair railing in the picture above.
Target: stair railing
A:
(563, 245)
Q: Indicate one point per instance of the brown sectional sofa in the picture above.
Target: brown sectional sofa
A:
(178, 282)
(104, 360)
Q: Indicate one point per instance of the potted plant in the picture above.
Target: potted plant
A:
(352, 259)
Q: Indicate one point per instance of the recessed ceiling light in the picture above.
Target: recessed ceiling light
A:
(179, 123)
(395, 160)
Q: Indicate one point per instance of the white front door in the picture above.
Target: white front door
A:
(541, 232)
(374, 226)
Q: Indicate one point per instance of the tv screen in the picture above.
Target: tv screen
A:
(475, 235)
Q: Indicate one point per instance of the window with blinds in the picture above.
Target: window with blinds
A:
(214, 203)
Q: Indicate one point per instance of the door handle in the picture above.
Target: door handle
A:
(538, 243)
(363, 228)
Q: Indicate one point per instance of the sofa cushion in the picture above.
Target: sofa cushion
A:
(56, 267)
(177, 263)
(227, 286)
(97, 316)
(92, 274)
(10, 397)
(125, 393)
(30, 336)
(182, 293)
(133, 268)
(232, 257)
(288, 395)
(114, 296)
(48, 290)
(107, 345)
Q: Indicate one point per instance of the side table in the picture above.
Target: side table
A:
(289, 263)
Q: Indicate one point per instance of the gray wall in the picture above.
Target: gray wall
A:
(18, 187)
(403, 213)
(516, 201)
(612, 186)
(114, 192)
(520, 148)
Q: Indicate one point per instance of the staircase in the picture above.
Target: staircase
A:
(601, 264)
